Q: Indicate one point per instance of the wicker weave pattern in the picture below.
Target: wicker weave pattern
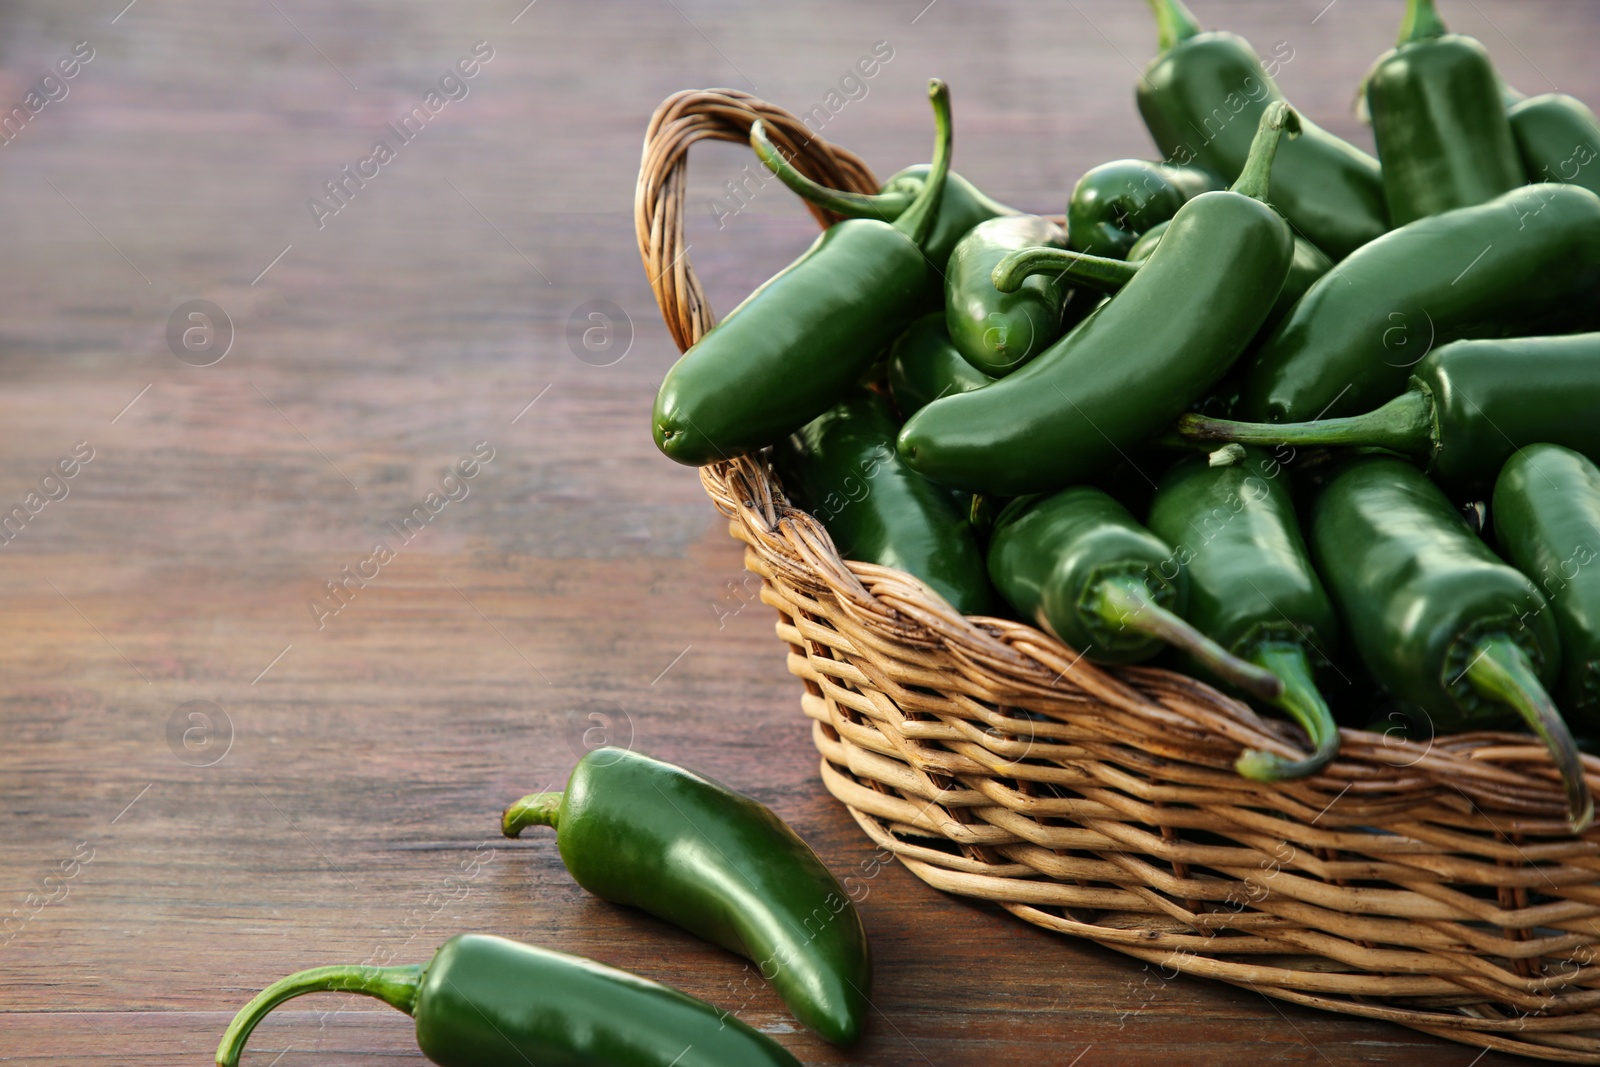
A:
(1431, 884)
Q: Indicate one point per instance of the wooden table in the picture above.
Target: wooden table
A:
(206, 781)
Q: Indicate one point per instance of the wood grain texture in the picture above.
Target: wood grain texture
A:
(582, 574)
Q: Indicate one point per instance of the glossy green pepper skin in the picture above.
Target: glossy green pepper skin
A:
(1523, 264)
(842, 467)
(1558, 138)
(1438, 620)
(486, 1001)
(691, 851)
(1469, 406)
(1201, 99)
(1439, 119)
(1309, 264)
(796, 344)
(1048, 554)
(961, 208)
(924, 365)
(1546, 512)
(1252, 588)
(1114, 203)
(1131, 367)
(1078, 565)
(999, 332)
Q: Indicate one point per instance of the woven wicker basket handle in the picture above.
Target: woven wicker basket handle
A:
(716, 115)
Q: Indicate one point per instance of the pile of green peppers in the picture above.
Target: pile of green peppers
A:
(1091, 426)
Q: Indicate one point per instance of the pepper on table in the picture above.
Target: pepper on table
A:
(796, 344)
(1123, 374)
(1252, 588)
(640, 832)
(1116, 202)
(1469, 406)
(963, 205)
(1438, 620)
(1439, 120)
(1523, 264)
(1079, 565)
(842, 467)
(486, 1002)
(1546, 510)
(1201, 99)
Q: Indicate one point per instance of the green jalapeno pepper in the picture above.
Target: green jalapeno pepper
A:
(961, 208)
(999, 332)
(1558, 138)
(1523, 264)
(1201, 99)
(1077, 564)
(1101, 274)
(485, 1001)
(1438, 620)
(1439, 120)
(1469, 406)
(797, 343)
(1547, 521)
(636, 831)
(1131, 367)
(1114, 203)
(842, 467)
(924, 365)
(1252, 588)
(1107, 275)
(1309, 264)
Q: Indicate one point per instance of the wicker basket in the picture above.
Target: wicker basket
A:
(1431, 884)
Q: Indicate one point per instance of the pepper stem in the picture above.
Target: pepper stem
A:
(1174, 22)
(1256, 176)
(1125, 601)
(1500, 671)
(886, 206)
(1304, 703)
(1421, 22)
(1404, 424)
(919, 217)
(395, 986)
(535, 809)
(1092, 272)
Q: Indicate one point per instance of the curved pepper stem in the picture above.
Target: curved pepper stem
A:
(1092, 272)
(918, 220)
(1256, 176)
(395, 986)
(1421, 22)
(1500, 671)
(535, 809)
(1125, 601)
(885, 206)
(1304, 703)
(1404, 424)
(1174, 22)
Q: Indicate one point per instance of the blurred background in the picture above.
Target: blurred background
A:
(224, 758)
